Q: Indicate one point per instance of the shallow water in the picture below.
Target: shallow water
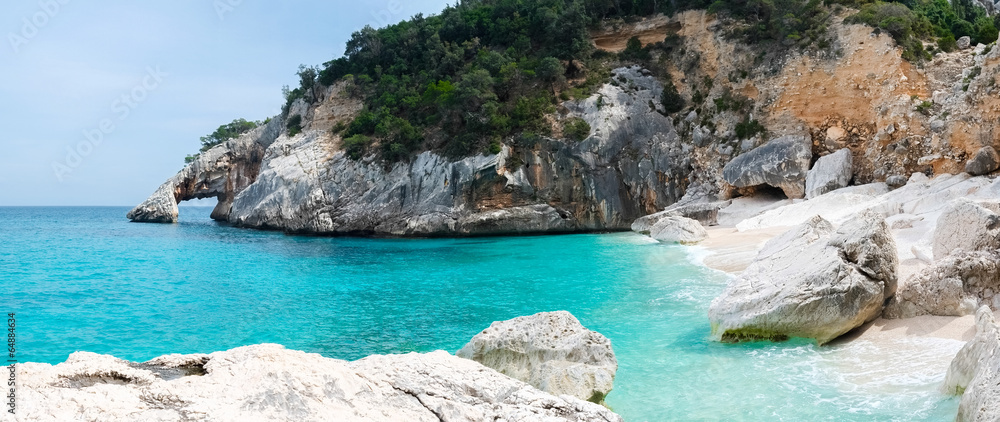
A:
(86, 279)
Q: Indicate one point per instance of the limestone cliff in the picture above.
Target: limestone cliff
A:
(860, 95)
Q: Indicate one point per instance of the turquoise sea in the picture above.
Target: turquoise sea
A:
(87, 279)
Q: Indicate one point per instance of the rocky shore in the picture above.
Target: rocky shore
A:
(565, 363)
(860, 263)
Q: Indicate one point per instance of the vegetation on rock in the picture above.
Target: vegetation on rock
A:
(224, 133)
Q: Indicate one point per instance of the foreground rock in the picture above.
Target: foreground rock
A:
(954, 286)
(551, 351)
(975, 372)
(268, 382)
(830, 172)
(811, 282)
(782, 163)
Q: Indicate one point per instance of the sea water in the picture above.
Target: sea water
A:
(86, 279)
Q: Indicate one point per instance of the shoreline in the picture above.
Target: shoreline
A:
(730, 250)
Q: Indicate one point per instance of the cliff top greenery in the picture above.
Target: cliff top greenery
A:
(484, 70)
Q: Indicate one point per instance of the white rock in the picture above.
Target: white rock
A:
(975, 372)
(551, 351)
(268, 383)
(830, 172)
(954, 286)
(966, 225)
(676, 229)
(810, 282)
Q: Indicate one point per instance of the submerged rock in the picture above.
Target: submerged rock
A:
(811, 282)
(975, 372)
(782, 163)
(551, 351)
(954, 286)
(831, 172)
(268, 382)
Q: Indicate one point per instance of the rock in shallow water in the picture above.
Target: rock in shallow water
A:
(672, 229)
(551, 351)
(810, 282)
(975, 372)
(268, 382)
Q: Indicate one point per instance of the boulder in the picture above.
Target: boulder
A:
(782, 163)
(967, 225)
(975, 372)
(954, 286)
(810, 282)
(673, 229)
(268, 382)
(831, 172)
(896, 182)
(963, 42)
(705, 212)
(551, 351)
(985, 161)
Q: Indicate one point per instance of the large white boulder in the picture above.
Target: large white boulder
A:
(551, 351)
(810, 282)
(975, 372)
(269, 383)
(831, 172)
(967, 225)
(782, 163)
(676, 229)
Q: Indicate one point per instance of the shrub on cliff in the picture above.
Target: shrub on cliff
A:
(228, 131)
(913, 20)
(294, 125)
(355, 145)
(576, 129)
(671, 99)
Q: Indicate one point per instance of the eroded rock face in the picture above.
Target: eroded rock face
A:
(268, 382)
(551, 351)
(831, 172)
(782, 163)
(967, 225)
(221, 172)
(985, 161)
(811, 282)
(975, 372)
(632, 164)
(954, 286)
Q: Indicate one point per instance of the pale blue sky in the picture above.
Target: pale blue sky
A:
(184, 66)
